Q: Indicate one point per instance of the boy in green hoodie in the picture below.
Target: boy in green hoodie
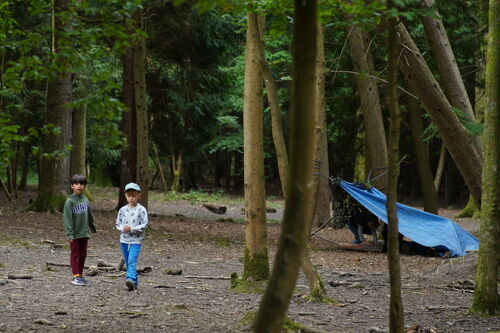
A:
(78, 221)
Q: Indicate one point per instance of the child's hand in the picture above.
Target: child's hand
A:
(126, 228)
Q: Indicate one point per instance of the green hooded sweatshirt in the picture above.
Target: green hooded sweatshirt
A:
(78, 220)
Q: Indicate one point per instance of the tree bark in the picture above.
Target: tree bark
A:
(293, 237)
(320, 200)
(375, 139)
(134, 156)
(79, 140)
(54, 168)
(486, 298)
(276, 127)
(440, 167)
(256, 259)
(451, 79)
(396, 313)
(426, 88)
(142, 171)
(423, 166)
(177, 165)
(321, 196)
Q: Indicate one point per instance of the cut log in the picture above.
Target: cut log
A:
(362, 247)
(215, 208)
(16, 277)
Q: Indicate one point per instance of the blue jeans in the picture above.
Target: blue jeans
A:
(130, 255)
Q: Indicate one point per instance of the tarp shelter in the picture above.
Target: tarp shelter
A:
(424, 228)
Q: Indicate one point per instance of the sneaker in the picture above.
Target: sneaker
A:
(130, 285)
(77, 281)
(85, 282)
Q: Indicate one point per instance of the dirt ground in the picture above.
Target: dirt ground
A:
(207, 248)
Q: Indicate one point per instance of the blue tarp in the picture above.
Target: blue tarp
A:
(424, 228)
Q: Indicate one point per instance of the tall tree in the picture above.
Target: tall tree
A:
(425, 87)
(276, 119)
(375, 139)
(486, 298)
(256, 260)
(427, 187)
(134, 166)
(79, 131)
(54, 160)
(396, 313)
(451, 79)
(294, 235)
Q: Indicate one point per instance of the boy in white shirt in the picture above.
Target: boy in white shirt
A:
(132, 221)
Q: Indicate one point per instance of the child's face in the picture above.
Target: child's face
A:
(132, 197)
(77, 188)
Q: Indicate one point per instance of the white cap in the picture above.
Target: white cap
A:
(132, 186)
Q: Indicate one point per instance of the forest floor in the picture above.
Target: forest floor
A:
(207, 248)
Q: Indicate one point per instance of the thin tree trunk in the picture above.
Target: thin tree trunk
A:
(396, 312)
(320, 200)
(276, 127)
(451, 79)
(156, 158)
(423, 166)
(375, 139)
(256, 258)
(426, 88)
(440, 167)
(486, 298)
(321, 197)
(294, 235)
(24, 173)
(177, 165)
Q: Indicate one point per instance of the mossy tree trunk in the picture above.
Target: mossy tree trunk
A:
(256, 260)
(421, 81)
(54, 161)
(294, 235)
(396, 313)
(375, 138)
(429, 193)
(486, 298)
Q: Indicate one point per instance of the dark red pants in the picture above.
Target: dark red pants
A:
(78, 255)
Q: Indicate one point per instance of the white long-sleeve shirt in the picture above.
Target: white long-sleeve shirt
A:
(135, 217)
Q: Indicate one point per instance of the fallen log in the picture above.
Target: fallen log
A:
(17, 277)
(215, 208)
(207, 277)
(362, 247)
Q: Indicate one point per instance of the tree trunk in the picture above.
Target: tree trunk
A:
(423, 166)
(134, 156)
(276, 127)
(24, 173)
(79, 140)
(256, 260)
(320, 200)
(375, 139)
(321, 197)
(294, 235)
(451, 79)
(54, 168)
(156, 158)
(440, 167)
(142, 171)
(426, 88)
(177, 162)
(396, 313)
(486, 298)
